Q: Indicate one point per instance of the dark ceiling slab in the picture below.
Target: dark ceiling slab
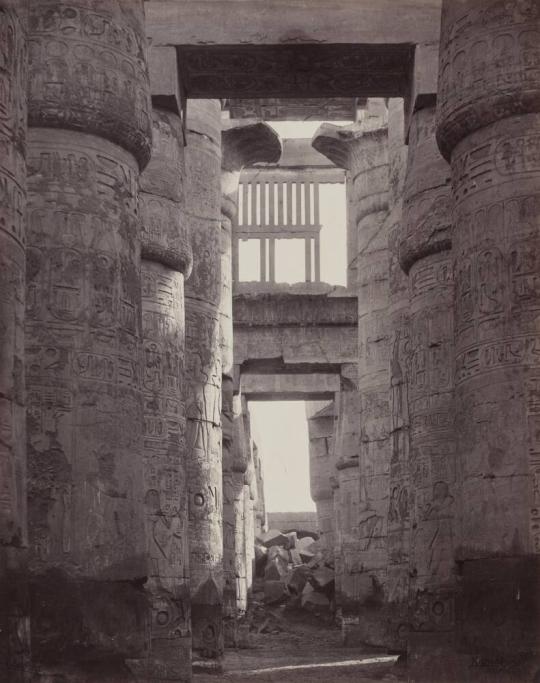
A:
(297, 71)
(295, 109)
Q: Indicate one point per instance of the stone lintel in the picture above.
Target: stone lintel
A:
(287, 22)
(164, 79)
(294, 310)
(302, 387)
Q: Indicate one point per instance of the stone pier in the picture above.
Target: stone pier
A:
(166, 260)
(488, 127)
(203, 372)
(14, 621)
(321, 418)
(89, 136)
(425, 255)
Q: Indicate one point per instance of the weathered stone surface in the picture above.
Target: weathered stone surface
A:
(490, 134)
(14, 619)
(363, 149)
(398, 539)
(203, 374)
(165, 260)
(488, 68)
(425, 253)
(88, 71)
(321, 467)
(82, 350)
(83, 326)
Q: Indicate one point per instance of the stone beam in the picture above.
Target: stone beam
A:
(293, 387)
(295, 329)
(291, 109)
(285, 22)
(305, 71)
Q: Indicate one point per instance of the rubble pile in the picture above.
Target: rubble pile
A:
(294, 570)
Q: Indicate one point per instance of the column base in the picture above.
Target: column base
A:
(86, 631)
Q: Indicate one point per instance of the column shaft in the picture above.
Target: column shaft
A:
(488, 126)
(83, 326)
(203, 375)
(165, 260)
(14, 621)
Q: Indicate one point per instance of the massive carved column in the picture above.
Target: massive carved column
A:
(362, 149)
(90, 134)
(321, 418)
(14, 624)
(488, 127)
(425, 255)
(165, 262)
(203, 375)
(399, 330)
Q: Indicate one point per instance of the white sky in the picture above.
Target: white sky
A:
(280, 427)
(280, 431)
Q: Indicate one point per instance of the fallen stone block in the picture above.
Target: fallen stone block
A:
(298, 579)
(314, 601)
(276, 570)
(274, 537)
(322, 577)
(293, 539)
(274, 592)
(277, 551)
(295, 557)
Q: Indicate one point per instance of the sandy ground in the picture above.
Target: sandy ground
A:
(304, 653)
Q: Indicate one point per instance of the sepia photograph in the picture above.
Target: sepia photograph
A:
(270, 341)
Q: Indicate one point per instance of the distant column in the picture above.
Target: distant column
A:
(243, 144)
(362, 149)
(320, 419)
(166, 260)
(203, 371)
(488, 128)
(90, 135)
(14, 621)
(425, 254)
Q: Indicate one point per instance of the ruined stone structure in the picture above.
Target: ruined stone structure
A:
(131, 487)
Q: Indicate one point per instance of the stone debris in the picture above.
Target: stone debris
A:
(300, 573)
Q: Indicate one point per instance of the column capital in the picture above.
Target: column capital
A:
(244, 144)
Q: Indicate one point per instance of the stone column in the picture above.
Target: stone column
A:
(260, 508)
(488, 127)
(243, 144)
(362, 149)
(90, 133)
(203, 375)
(425, 255)
(398, 316)
(239, 469)
(346, 446)
(165, 261)
(321, 418)
(14, 622)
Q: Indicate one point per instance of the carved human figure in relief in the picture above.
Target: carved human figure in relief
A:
(399, 404)
(439, 513)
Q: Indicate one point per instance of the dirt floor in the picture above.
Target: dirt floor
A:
(300, 649)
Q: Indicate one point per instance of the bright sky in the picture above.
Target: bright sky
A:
(280, 427)
(280, 431)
